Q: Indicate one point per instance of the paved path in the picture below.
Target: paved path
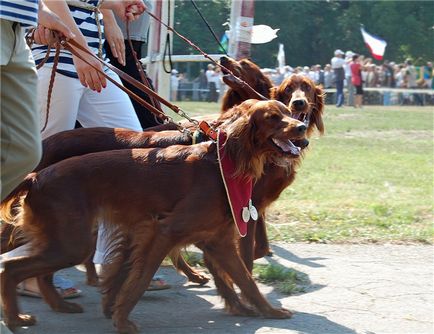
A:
(352, 289)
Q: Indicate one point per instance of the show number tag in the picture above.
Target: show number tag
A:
(249, 212)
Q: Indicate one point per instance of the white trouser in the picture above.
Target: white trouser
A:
(70, 101)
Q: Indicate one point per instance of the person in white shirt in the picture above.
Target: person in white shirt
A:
(338, 63)
(348, 59)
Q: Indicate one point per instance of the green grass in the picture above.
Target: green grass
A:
(286, 280)
(368, 179)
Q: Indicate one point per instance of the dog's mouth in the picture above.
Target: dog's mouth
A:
(287, 146)
(302, 116)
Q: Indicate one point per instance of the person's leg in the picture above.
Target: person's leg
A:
(147, 119)
(351, 92)
(111, 108)
(20, 137)
(339, 93)
(65, 99)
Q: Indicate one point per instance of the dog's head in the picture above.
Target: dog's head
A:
(304, 99)
(247, 71)
(264, 132)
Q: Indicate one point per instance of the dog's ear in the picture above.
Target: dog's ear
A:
(273, 92)
(318, 109)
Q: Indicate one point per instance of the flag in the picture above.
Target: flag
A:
(375, 44)
(263, 34)
(224, 41)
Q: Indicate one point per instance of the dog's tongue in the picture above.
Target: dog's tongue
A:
(287, 146)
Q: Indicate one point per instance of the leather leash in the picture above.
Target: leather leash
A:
(242, 83)
(139, 67)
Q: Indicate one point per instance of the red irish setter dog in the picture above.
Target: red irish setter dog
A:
(304, 99)
(156, 193)
(249, 72)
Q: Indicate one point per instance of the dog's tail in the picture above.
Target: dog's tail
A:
(8, 207)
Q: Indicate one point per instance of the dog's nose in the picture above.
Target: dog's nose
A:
(301, 128)
(299, 104)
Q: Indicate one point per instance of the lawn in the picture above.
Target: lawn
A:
(368, 179)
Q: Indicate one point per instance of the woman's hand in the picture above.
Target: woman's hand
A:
(87, 74)
(48, 19)
(127, 10)
(114, 36)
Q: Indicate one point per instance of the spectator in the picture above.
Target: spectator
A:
(356, 80)
(348, 59)
(174, 85)
(427, 75)
(411, 80)
(328, 76)
(337, 63)
(203, 85)
(212, 88)
(389, 82)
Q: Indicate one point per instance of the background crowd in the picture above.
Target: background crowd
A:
(388, 74)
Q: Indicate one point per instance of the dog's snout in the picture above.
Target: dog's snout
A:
(299, 104)
(301, 128)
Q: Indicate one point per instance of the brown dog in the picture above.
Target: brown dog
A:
(249, 72)
(158, 194)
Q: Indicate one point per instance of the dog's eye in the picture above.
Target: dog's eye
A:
(273, 117)
(305, 87)
(288, 90)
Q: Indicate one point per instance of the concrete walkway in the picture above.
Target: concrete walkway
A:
(351, 289)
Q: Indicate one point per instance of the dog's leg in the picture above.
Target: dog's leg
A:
(192, 275)
(247, 245)
(113, 276)
(18, 269)
(144, 263)
(224, 284)
(225, 254)
(261, 244)
(52, 297)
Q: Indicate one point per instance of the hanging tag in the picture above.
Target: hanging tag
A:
(253, 211)
(246, 214)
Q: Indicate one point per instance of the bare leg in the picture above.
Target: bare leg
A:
(52, 297)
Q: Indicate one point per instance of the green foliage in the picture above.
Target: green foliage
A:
(312, 30)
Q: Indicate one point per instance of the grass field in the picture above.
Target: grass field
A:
(368, 179)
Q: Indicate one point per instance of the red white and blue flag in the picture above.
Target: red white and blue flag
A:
(375, 44)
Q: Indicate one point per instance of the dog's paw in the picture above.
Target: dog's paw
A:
(199, 279)
(20, 320)
(68, 307)
(126, 327)
(278, 313)
(241, 309)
